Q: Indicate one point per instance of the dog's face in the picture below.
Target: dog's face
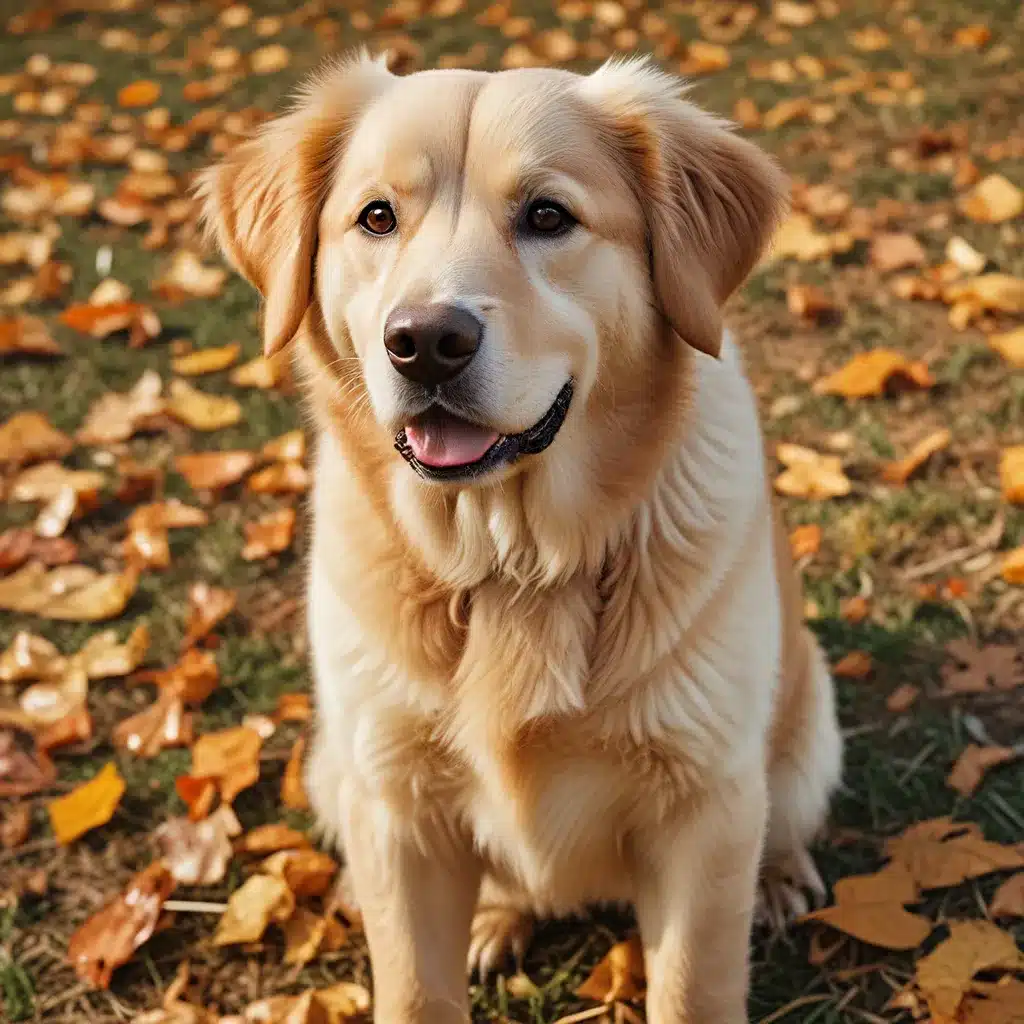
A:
(494, 257)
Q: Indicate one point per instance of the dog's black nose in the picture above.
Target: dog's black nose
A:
(431, 343)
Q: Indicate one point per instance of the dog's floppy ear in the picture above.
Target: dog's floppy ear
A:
(712, 199)
(262, 201)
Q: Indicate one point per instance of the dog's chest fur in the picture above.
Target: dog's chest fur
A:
(553, 724)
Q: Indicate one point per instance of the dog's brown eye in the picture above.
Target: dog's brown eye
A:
(378, 218)
(548, 218)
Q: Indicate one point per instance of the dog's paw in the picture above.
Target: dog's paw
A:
(499, 931)
(789, 888)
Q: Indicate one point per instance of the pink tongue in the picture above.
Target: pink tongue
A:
(449, 442)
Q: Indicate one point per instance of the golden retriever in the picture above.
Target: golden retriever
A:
(557, 639)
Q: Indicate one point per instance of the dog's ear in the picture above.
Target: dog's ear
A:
(712, 199)
(262, 201)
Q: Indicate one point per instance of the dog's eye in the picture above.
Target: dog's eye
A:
(546, 217)
(378, 218)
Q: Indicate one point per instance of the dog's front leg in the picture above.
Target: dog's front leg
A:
(696, 884)
(417, 893)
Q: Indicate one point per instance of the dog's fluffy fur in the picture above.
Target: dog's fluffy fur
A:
(584, 677)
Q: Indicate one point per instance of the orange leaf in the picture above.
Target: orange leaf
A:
(197, 794)
(1011, 473)
(108, 938)
(971, 766)
(100, 321)
(619, 976)
(212, 471)
(854, 665)
(257, 373)
(206, 360)
(88, 806)
(1008, 900)
(161, 726)
(192, 679)
(871, 373)
(251, 908)
(142, 93)
(29, 437)
(993, 200)
(855, 609)
(899, 472)
(280, 478)
(74, 727)
(290, 447)
(207, 606)
(201, 410)
(270, 535)
(902, 698)
(307, 872)
(187, 277)
(26, 335)
(293, 792)
(271, 839)
(231, 757)
(291, 707)
(811, 303)
(1010, 345)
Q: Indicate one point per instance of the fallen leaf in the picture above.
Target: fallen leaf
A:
(787, 110)
(343, 1000)
(900, 471)
(110, 937)
(703, 58)
(618, 976)
(271, 839)
(104, 657)
(307, 872)
(198, 852)
(971, 766)
(206, 360)
(1011, 473)
(26, 336)
(902, 698)
(72, 592)
(290, 447)
(998, 1003)
(944, 976)
(964, 256)
(192, 678)
(29, 437)
(293, 707)
(138, 481)
(29, 657)
(1008, 900)
(854, 665)
(100, 321)
(972, 37)
(985, 669)
(188, 278)
(163, 725)
(213, 471)
(231, 756)
(252, 907)
(1001, 293)
(293, 791)
(268, 59)
(197, 794)
(871, 373)
(809, 474)
(280, 478)
(19, 545)
(870, 39)
(46, 480)
(872, 908)
(797, 238)
(811, 303)
(207, 606)
(794, 15)
(257, 373)
(105, 597)
(142, 93)
(117, 416)
(200, 410)
(74, 727)
(1010, 345)
(88, 806)
(855, 609)
(15, 825)
(24, 768)
(147, 545)
(307, 934)
(270, 535)
(49, 701)
(941, 853)
(1011, 566)
(993, 200)
(895, 252)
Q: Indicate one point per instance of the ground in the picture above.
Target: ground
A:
(903, 105)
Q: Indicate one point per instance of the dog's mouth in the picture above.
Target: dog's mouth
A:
(442, 446)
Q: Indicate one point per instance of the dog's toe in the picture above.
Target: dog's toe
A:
(498, 932)
(789, 888)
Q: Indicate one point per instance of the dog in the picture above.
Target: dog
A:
(556, 635)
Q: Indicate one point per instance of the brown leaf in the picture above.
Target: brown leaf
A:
(192, 679)
(985, 669)
(87, 806)
(703, 58)
(24, 768)
(72, 592)
(292, 707)
(293, 791)
(26, 336)
(29, 437)
(307, 872)
(811, 303)
(15, 825)
(74, 727)
(30, 657)
(213, 471)
(206, 360)
(47, 702)
(231, 757)
(200, 410)
(998, 1003)
(797, 238)
(103, 657)
(280, 478)
(163, 725)
(993, 200)
(941, 853)
(872, 373)
(619, 976)
(1008, 900)
(870, 39)
(198, 852)
(147, 545)
(809, 474)
(307, 935)
(110, 937)
(854, 665)
(143, 93)
(269, 535)
(116, 416)
(252, 907)
(902, 698)
(105, 597)
(20, 544)
(872, 908)
(207, 606)
(900, 471)
(971, 766)
(271, 839)
(188, 278)
(896, 252)
(944, 976)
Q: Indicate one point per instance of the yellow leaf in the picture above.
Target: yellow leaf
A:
(206, 360)
(810, 474)
(1011, 473)
(280, 478)
(29, 437)
(1010, 345)
(993, 200)
(805, 541)
(268, 59)
(870, 373)
(104, 598)
(88, 806)
(1012, 566)
(902, 470)
(1002, 293)
(306, 935)
(703, 58)
(231, 756)
(252, 907)
(798, 238)
(200, 410)
(619, 976)
(306, 872)
(257, 373)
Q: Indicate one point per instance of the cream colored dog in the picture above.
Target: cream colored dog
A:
(556, 635)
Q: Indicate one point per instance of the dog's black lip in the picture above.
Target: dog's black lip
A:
(504, 451)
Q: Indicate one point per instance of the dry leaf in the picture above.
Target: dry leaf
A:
(103, 657)
(206, 360)
(290, 447)
(163, 725)
(998, 1003)
(29, 437)
(973, 763)
(293, 707)
(271, 839)
(811, 303)
(116, 416)
(293, 791)
(87, 806)
(200, 410)
(105, 597)
(26, 336)
(100, 321)
(307, 872)
(619, 976)
(703, 58)
(188, 278)
(944, 976)
(895, 252)
(985, 669)
(1011, 566)
(993, 200)
(19, 545)
(810, 474)
(213, 471)
(231, 757)
(797, 238)
(46, 480)
(30, 657)
(899, 472)
(197, 794)
(964, 256)
(785, 111)
(1000, 293)
(870, 39)
(193, 678)
(306, 935)
(794, 15)
(269, 59)
(872, 908)
(75, 727)
(902, 698)
(854, 665)
(1008, 900)
(871, 373)
(941, 853)
(143, 93)
(72, 592)
(1011, 474)
(257, 373)
(269, 535)
(24, 768)
(110, 937)
(48, 702)
(198, 853)
(1010, 345)
(15, 826)
(147, 545)
(280, 478)
(252, 907)
(208, 605)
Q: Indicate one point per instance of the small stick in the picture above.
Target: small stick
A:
(195, 907)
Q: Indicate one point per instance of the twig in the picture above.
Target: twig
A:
(796, 1004)
(988, 540)
(591, 1014)
(65, 997)
(195, 907)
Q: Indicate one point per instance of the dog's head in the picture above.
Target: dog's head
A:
(498, 265)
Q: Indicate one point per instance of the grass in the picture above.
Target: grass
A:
(896, 764)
